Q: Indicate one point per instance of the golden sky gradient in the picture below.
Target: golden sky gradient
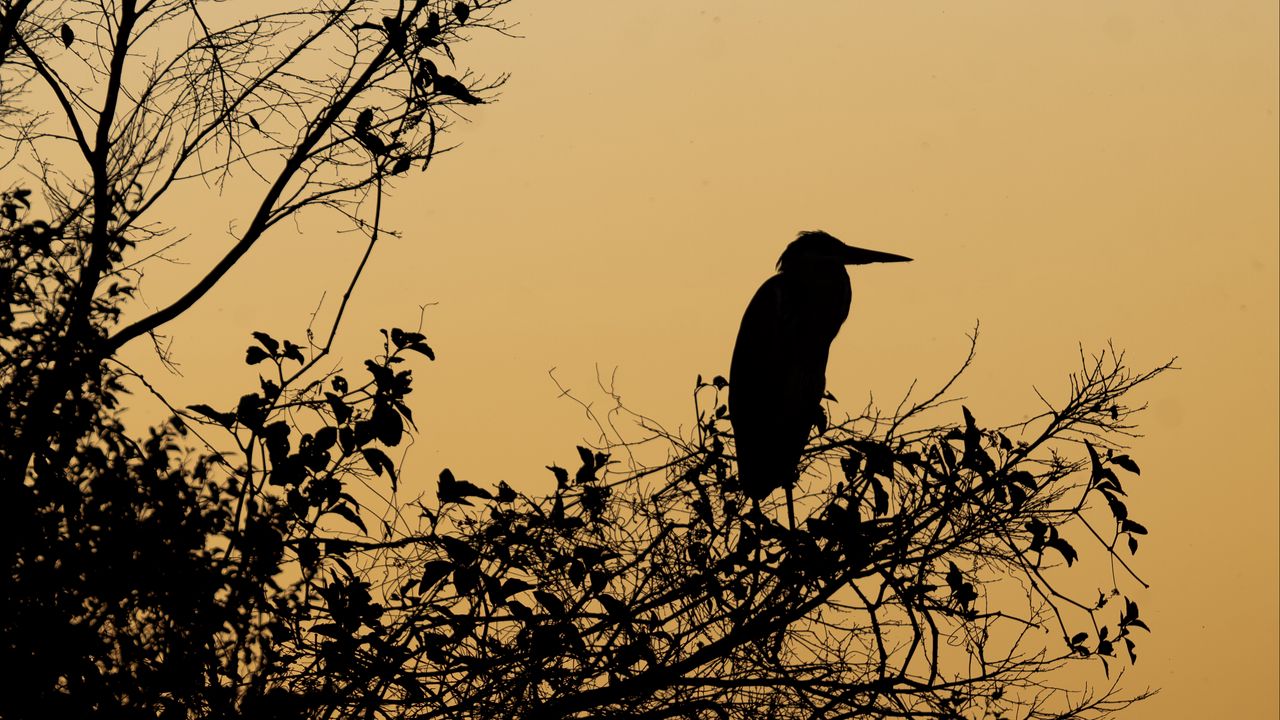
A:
(1067, 173)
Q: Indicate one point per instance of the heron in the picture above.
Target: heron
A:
(778, 374)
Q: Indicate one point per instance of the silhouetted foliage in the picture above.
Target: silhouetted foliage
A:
(933, 575)
(163, 575)
(253, 557)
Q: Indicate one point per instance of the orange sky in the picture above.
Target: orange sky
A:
(1066, 173)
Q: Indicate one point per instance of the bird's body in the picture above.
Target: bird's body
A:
(782, 350)
(778, 374)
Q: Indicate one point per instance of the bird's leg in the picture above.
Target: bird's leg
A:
(791, 513)
(743, 613)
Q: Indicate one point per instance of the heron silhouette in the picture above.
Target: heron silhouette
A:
(779, 370)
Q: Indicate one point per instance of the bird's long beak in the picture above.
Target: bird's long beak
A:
(858, 256)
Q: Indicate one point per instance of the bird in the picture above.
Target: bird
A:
(777, 376)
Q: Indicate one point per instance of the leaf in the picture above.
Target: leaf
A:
(519, 610)
(253, 123)
(400, 338)
(1118, 508)
(962, 592)
(462, 11)
(1132, 526)
(293, 352)
(975, 457)
(948, 458)
(1079, 638)
(432, 573)
(453, 87)
(224, 419)
(459, 551)
(276, 437)
(250, 411)
(339, 383)
(586, 472)
(493, 588)
(387, 425)
(1133, 545)
(562, 475)
(341, 411)
(423, 348)
(325, 438)
(268, 342)
(879, 460)
(254, 355)
(350, 515)
(1017, 496)
(1068, 553)
(614, 607)
(1022, 477)
(375, 144)
(1127, 463)
(599, 579)
(395, 34)
(452, 490)
(880, 496)
(68, 36)
(466, 578)
(577, 573)
(1110, 485)
(378, 461)
(512, 586)
(329, 630)
(1130, 612)
(719, 382)
(505, 493)
(405, 412)
(1098, 473)
(427, 35)
(552, 603)
(850, 466)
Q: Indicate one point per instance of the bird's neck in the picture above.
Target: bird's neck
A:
(819, 296)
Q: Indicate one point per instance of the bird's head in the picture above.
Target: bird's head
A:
(816, 248)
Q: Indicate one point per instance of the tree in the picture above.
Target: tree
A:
(225, 563)
(145, 575)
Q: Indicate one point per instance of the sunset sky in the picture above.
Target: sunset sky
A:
(1066, 174)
